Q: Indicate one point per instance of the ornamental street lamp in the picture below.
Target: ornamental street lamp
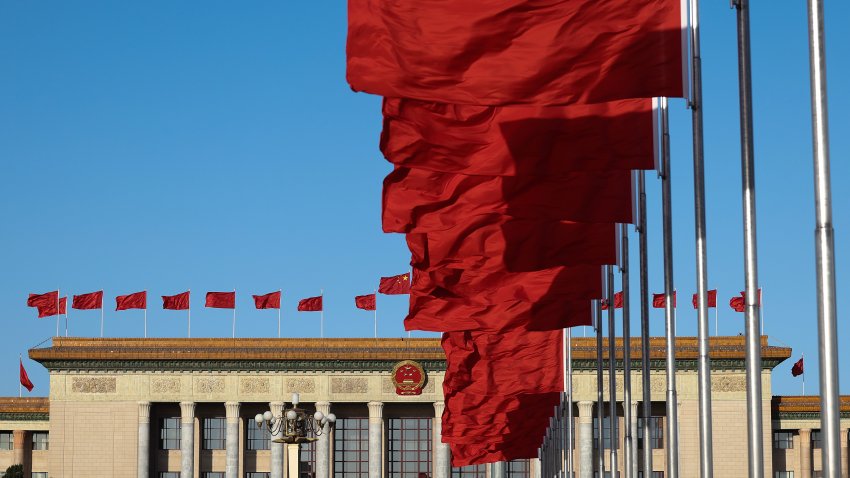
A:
(295, 426)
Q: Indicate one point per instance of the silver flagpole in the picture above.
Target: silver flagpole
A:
(234, 313)
(669, 311)
(628, 452)
(600, 405)
(612, 377)
(101, 314)
(644, 325)
(755, 432)
(570, 426)
(824, 246)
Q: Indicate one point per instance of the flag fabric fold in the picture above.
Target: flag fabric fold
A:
(92, 300)
(659, 301)
(176, 302)
(395, 285)
(267, 301)
(365, 302)
(221, 300)
(738, 304)
(24, 378)
(797, 368)
(712, 299)
(48, 304)
(310, 304)
(136, 300)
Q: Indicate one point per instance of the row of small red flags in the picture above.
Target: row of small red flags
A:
(659, 301)
(49, 303)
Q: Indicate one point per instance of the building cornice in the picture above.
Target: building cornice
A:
(24, 409)
(803, 407)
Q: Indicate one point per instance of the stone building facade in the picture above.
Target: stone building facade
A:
(168, 408)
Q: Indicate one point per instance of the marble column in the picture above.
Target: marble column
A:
(277, 453)
(323, 444)
(498, 470)
(805, 453)
(144, 439)
(376, 439)
(231, 443)
(19, 444)
(844, 457)
(187, 439)
(442, 452)
(635, 451)
(585, 434)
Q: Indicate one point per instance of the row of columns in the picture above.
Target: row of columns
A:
(806, 453)
(442, 453)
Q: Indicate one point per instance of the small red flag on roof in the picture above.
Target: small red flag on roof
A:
(221, 300)
(25, 379)
(176, 302)
(92, 300)
(136, 300)
(395, 285)
(310, 304)
(268, 301)
(365, 302)
(797, 369)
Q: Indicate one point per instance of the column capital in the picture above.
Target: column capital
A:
(807, 431)
(438, 409)
(585, 408)
(187, 409)
(276, 408)
(231, 410)
(376, 409)
(144, 412)
(323, 406)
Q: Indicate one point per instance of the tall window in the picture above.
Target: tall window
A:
(817, 474)
(257, 474)
(40, 441)
(258, 438)
(816, 439)
(783, 474)
(164, 474)
(518, 469)
(212, 474)
(470, 471)
(6, 440)
(214, 433)
(606, 432)
(654, 474)
(169, 433)
(606, 474)
(783, 440)
(351, 448)
(308, 460)
(39, 474)
(408, 447)
(656, 433)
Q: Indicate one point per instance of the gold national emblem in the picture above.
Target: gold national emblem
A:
(408, 377)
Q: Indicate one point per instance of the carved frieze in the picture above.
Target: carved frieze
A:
(254, 385)
(94, 385)
(727, 383)
(165, 385)
(349, 385)
(209, 385)
(300, 385)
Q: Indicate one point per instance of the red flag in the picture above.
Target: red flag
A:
(365, 302)
(519, 140)
(310, 304)
(737, 303)
(221, 300)
(797, 369)
(618, 301)
(268, 301)
(659, 301)
(468, 52)
(48, 299)
(417, 200)
(46, 304)
(92, 300)
(25, 379)
(395, 285)
(136, 300)
(176, 302)
(712, 299)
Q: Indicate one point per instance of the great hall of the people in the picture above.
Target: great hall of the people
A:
(169, 408)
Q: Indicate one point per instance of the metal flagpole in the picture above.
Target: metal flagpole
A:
(669, 312)
(376, 313)
(600, 406)
(101, 314)
(234, 313)
(280, 291)
(803, 357)
(146, 320)
(570, 425)
(824, 246)
(628, 451)
(322, 314)
(716, 326)
(752, 327)
(644, 324)
(189, 310)
(20, 385)
(612, 377)
(58, 315)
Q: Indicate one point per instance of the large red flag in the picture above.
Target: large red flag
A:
(136, 300)
(519, 140)
(221, 300)
(268, 301)
(659, 301)
(797, 369)
(48, 299)
(310, 304)
(712, 299)
(92, 300)
(176, 302)
(417, 200)
(365, 302)
(25, 379)
(395, 285)
(738, 304)
(517, 51)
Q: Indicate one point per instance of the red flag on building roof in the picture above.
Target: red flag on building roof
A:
(659, 301)
(221, 300)
(395, 285)
(468, 52)
(43, 300)
(712, 299)
(25, 379)
(618, 301)
(92, 300)
(365, 302)
(136, 300)
(737, 303)
(797, 369)
(268, 301)
(176, 302)
(46, 304)
(310, 304)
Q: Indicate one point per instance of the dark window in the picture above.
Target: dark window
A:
(816, 439)
(351, 448)
(783, 440)
(258, 438)
(470, 471)
(408, 447)
(518, 469)
(212, 474)
(308, 460)
(214, 433)
(656, 433)
(257, 474)
(6, 440)
(655, 474)
(817, 474)
(607, 474)
(783, 474)
(169, 474)
(169, 434)
(39, 474)
(40, 441)
(606, 432)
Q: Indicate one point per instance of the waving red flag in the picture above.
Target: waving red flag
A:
(221, 300)
(712, 299)
(518, 51)
(737, 303)
(365, 302)
(519, 140)
(395, 285)
(797, 369)
(268, 301)
(136, 300)
(176, 302)
(92, 300)
(25, 379)
(659, 301)
(618, 301)
(310, 304)
(48, 299)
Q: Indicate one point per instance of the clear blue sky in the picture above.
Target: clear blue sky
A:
(215, 145)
